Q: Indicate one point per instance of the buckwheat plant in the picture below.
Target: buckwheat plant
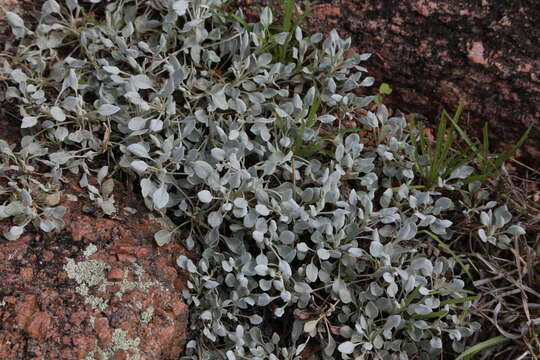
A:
(310, 232)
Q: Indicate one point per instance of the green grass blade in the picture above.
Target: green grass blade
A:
(440, 143)
(432, 315)
(485, 166)
(441, 131)
(467, 139)
(333, 134)
(458, 300)
(451, 291)
(506, 155)
(288, 26)
(411, 297)
(288, 10)
(485, 141)
(473, 178)
(238, 19)
(312, 115)
(482, 346)
(305, 151)
(415, 132)
(458, 113)
(426, 151)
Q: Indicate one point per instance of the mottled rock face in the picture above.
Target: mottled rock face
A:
(100, 289)
(482, 53)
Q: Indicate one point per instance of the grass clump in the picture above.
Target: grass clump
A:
(310, 233)
(438, 159)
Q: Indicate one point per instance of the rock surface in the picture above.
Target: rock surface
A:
(436, 54)
(99, 289)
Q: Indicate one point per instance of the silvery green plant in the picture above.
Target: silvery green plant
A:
(27, 199)
(308, 234)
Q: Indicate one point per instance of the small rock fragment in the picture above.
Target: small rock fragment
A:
(27, 273)
(115, 274)
(120, 355)
(38, 325)
(476, 53)
(25, 309)
(101, 325)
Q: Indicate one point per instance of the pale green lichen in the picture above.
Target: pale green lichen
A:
(127, 285)
(89, 356)
(88, 272)
(144, 285)
(147, 315)
(82, 289)
(120, 341)
(98, 304)
(139, 270)
(90, 250)
(2, 303)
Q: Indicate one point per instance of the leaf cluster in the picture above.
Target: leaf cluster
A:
(298, 219)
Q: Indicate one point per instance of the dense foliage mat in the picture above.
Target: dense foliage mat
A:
(309, 230)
